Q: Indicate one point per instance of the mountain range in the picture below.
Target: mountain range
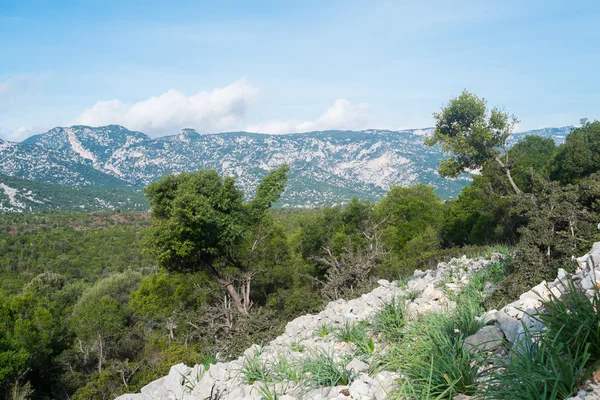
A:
(325, 167)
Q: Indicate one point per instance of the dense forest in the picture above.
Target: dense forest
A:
(95, 305)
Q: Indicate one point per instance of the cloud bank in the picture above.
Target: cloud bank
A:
(21, 133)
(341, 115)
(218, 110)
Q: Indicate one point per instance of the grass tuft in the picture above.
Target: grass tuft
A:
(391, 320)
(323, 330)
(320, 370)
(357, 333)
(285, 371)
(537, 368)
(573, 319)
(253, 369)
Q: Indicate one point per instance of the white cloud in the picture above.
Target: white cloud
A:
(341, 115)
(517, 128)
(207, 111)
(21, 133)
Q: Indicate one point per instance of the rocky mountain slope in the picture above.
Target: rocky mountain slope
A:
(20, 195)
(326, 167)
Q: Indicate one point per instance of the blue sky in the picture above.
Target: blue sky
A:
(279, 66)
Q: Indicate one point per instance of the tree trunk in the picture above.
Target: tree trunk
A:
(235, 297)
(509, 176)
(100, 353)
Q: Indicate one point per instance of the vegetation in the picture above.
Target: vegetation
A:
(86, 313)
(37, 196)
(430, 353)
(554, 362)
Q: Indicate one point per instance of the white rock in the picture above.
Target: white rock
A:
(361, 390)
(357, 366)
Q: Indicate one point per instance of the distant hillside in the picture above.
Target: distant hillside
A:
(325, 167)
(20, 195)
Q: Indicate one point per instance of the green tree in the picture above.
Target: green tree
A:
(96, 322)
(201, 223)
(481, 213)
(13, 356)
(579, 155)
(165, 297)
(531, 155)
(407, 212)
(558, 225)
(474, 135)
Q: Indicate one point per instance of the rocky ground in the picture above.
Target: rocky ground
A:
(313, 337)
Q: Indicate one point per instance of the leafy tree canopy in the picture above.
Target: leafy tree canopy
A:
(408, 212)
(473, 134)
(579, 155)
(200, 222)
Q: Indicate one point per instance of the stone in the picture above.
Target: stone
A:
(489, 317)
(536, 293)
(590, 260)
(204, 387)
(160, 389)
(383, 282)
(488, 338)
(133, 396)
(418, 273)
(431, 293)
(511, 327)
(562, 274)
(589, 282)
(384, 383)
(513, 312)
(237, 393)
(489, 288)
(360, 390)
(357, 366)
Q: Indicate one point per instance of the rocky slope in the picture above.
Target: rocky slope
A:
(326, 167)
(305, 338)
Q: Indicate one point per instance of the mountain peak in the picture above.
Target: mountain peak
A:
(188, 134)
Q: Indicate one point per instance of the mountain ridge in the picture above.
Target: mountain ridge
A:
(326, 166)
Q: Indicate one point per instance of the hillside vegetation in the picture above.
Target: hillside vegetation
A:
(21, 195)
(92, 306)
